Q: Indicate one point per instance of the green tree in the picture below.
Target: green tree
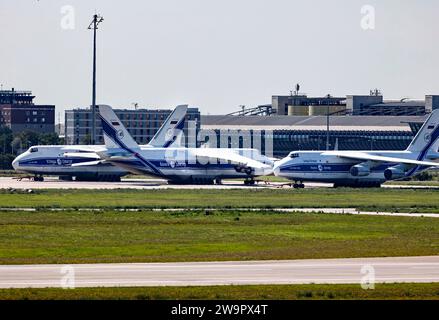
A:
(5, 140)
(6, 161)
(49, 139)
(29, 138)
(85, 140)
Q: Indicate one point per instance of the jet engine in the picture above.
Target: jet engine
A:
(360, 170)
(394, 173)
(247, 170)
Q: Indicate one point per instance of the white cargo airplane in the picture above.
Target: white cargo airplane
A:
(178, 165)
(364, 168)
(82, 162)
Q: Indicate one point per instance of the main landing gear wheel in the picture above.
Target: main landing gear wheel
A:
(39, 178)
(298, 186)
(249, 182)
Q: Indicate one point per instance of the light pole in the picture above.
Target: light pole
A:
(327, 123)
(94, 26)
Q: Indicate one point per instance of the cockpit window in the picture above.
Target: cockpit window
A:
(294, 155)
(33, 149)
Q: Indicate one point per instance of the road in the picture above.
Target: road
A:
(147, 184)
(332, 271)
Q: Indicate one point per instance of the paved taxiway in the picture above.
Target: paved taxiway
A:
(145, 184)
(332, 271)
(54, 183)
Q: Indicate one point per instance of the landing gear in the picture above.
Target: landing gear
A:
(202, 181)
(249, 182)
(39, 178)
(298, 185)
(218, 181)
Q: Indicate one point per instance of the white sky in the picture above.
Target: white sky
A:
(218, 54)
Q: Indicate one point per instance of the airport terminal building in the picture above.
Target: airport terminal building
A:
(288, 133)
(358, 105)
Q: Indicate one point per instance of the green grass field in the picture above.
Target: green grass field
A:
(370, 199)
(147, 236)
(268, 292)
(199, 234)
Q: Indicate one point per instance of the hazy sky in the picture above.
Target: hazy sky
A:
(218, 54)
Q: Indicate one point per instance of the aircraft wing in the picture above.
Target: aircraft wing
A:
(82, 155)
(228, 155)
(83, 148)
(88, 163)
(370, 157)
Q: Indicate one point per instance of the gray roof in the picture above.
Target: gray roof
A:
(381, 123)
(399, 104)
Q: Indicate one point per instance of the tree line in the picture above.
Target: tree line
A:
(12, 144)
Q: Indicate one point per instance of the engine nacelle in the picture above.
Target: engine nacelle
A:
(247, 170)
(394, 173)
(360, 170)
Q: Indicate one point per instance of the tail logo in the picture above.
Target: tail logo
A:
(169, 134)
(120, 134)
(427, 137)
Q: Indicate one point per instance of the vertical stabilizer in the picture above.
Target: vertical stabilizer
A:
(115, 133)
(171, 130)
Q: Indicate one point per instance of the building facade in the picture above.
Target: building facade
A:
(142, 124)
(19, 113)
(282, 134)
(358, 105)
(302, 105)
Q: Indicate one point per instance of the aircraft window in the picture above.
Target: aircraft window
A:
(294, 155)
(33, 150)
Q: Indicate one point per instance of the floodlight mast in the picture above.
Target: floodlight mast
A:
(94, 26)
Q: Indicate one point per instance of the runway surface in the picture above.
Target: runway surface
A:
(332, 271)
(147, 184)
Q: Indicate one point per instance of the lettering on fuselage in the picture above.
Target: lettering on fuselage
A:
(172, 164)
(59, 162)
(50, 162)
(319, 168)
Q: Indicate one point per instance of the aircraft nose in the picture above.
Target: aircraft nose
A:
(276, 170)
(15, 164)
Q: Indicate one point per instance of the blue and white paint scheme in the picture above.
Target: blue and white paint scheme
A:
(61, 160)
(364, 168)
(84, 163)
(178, 164)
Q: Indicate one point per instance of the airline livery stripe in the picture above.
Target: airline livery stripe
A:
(112, 134)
